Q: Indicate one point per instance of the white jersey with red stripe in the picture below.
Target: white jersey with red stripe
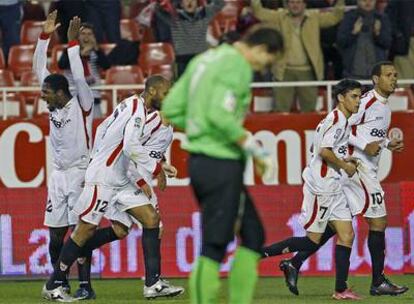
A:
(370, 124)
(332, 132)
(156, 139)
(118, 142)
(71, 126)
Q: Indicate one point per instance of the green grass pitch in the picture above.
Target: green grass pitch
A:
(269, 290)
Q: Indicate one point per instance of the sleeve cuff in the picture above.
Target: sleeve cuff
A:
(44, 36)
(157, 170)
(73, 43)
(386, 142)
(141, 182)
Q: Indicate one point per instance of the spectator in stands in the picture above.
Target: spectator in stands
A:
(93, 59)
(303, 60)
(10, 21)
(67, 9)
(331, 54)
(364, 38)
(246, 19)
(105, 17)
(189, 25)
(401, 15)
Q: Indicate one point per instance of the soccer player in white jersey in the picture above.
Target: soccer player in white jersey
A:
(70, 135)
(364, 192)
(105, 176)
(324, 201)
(156, 139)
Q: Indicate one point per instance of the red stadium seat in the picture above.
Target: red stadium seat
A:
(57, 51)
(16, 106)
(2, 60)
(156, 54)
(129, 74)
(6, 78)
(130, 30)
(166, 70)
(29, 79)
(20, 59)
(30, 31)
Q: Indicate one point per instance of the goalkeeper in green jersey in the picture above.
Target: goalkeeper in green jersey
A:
(210, 102)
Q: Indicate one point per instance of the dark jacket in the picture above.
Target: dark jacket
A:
(401, 14)
(102, 60)
(347, 42)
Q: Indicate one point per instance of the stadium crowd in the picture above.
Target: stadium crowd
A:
(126, 41)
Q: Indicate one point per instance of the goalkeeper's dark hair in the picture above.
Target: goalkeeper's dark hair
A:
(58, 82)
(269, 37)
(344, 86)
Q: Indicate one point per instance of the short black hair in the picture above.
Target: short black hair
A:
(87, 25)
(344, 86)
(377, 68)
(58, 82)
(269, 37)
(155, 80)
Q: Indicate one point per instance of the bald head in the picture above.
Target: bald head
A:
(155, 81)
(156, 88)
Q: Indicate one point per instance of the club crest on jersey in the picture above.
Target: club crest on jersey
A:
(229, 102)
(337, 133)
(137, 123)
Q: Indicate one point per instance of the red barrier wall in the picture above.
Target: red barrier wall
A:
(24, 239)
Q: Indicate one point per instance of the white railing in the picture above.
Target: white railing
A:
(115, 88)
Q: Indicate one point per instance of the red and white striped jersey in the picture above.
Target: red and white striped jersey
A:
(119, 141)
(70, 127)
(332, 132)
(156, 139)
(370, 124)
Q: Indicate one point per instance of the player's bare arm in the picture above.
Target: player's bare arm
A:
(329, 156)
(373, 148)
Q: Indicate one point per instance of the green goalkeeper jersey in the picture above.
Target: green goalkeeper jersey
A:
(210, 102)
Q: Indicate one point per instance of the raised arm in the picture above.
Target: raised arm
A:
(40, 55)
(328, 19)
(85, 94)
(265, 14)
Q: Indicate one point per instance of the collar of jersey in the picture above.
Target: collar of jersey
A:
(379, 97)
